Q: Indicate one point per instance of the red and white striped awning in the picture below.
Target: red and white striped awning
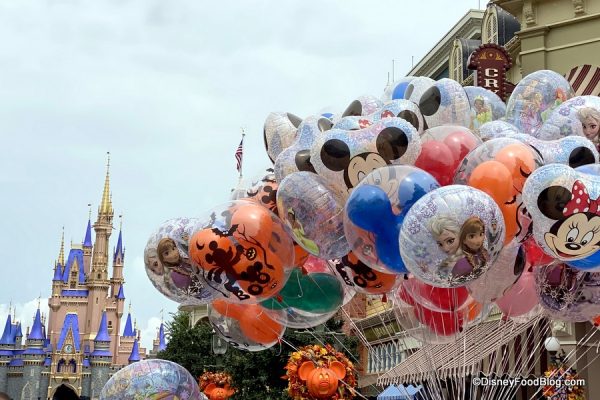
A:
(585, 80)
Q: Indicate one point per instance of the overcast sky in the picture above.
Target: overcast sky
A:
(165, 87)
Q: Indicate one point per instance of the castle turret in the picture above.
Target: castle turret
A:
(101, 357)
(135, 352)
(34, 355)
(128, 331)
(18, 336)
(87, 246)
(6, 338)
(57, 281)
(118, 259)
(97, 281)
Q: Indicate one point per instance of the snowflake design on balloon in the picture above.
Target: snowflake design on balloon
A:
(420, 252)
(564, 111)
(579, 101)
(429, 209)
(413, 226)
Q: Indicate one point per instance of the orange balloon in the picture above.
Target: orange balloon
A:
(227, 309)
(596, 321)
(493, 178)
(509, 212)
(473, 310)
(257, 326)
(380, 283)
(518, 158)
(300, 255)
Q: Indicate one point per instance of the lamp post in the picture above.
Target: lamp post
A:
(552, 345)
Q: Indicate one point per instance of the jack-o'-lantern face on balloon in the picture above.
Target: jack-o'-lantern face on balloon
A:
(322, 382)
(218, 393)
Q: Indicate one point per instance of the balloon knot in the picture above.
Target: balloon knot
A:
(304, 270)
(279, 298)
(384, 298)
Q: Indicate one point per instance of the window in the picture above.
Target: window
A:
(455, 62)
(491, 27)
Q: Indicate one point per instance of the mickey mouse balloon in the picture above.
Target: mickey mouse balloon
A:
(564, 205)
(451, 236)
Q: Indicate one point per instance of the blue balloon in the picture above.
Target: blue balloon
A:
(370, 209)
(399, 90)
(588, 263)
(413, 187)
(590, 169)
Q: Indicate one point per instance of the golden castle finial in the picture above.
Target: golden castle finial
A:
(129, 306)
(120, 222)
(90, 211)
(61, 255)
(105, 205)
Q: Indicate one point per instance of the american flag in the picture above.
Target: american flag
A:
(239, 154)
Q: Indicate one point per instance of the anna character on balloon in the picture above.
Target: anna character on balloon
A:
(181, 271)
(472, 240)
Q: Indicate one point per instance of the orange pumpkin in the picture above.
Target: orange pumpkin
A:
(218, 393)
(322, 383)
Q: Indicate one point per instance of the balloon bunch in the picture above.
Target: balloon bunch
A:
(440, 196)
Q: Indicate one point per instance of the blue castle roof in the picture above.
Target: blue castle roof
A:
(121, 294)
(86, 362)
(162, 345)
(74, 292)
(119, 250)
(16, 362)
(103, 335)
(75, 255)
(47, 362)
(87, 242)
(7, 334)
(135, 352)
(71, 324)
(37, 331)
(58, 272)
(13, 333)
(128, 331)
(6, 353)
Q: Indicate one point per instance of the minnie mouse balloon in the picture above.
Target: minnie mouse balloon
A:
(169, 267)
(451, 236)
(564, 207)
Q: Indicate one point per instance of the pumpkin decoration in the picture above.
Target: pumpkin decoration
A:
(322, 382)
(216, 385)
(314, 372)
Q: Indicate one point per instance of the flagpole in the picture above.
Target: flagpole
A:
(242, 160)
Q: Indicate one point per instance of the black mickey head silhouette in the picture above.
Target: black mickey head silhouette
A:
(430, 101)
(355, 109)
(391, 144)
(409, 117)
(581, 156)
(302, 158)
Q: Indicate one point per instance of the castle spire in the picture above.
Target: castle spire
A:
(7, 331)
(106, 204)
(119, 255)
(37, 333)
(87, 241)
(61, 255)
(103, 335)
(135, 352)
(161, 338)
(128, 331)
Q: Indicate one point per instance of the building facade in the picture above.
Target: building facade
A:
(73, 352)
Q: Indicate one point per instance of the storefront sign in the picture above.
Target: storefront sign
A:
(491, 62)
(382, 331)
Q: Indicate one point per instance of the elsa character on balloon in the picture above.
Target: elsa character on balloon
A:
(590, 122)
(446, 233)
(472, 241)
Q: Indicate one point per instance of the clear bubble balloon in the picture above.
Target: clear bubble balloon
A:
(280, 132)
(151, 379)
(313, 214)
(386, 194)
(534, 99)
(451, 236)
(243, 250)
(485, 105)
(445, 103)
(169, 267)
(496, 129)
(245, 326)
(415, 89)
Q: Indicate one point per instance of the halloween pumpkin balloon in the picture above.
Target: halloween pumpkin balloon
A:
(322, 382)
(218, 393)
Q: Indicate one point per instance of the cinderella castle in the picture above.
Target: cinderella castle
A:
(75, 351)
